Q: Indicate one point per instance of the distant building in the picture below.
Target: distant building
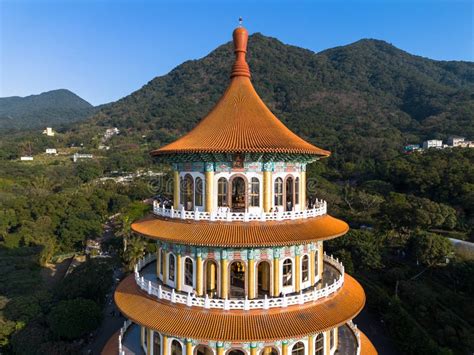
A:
(455, 141)
(26, 158)
(78, 156)
(110, 132)
(433, 143)
(51, 151)
(411, 148)
(49, 132)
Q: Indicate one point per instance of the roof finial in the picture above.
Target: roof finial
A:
(240, 21)
(241, 36)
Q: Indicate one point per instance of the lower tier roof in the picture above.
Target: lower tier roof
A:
(239, 326)
(241, 234)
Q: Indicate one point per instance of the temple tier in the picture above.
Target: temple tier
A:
(240, 266)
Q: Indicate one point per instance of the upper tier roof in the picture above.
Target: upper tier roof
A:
(240, 122)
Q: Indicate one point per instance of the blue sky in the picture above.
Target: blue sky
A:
(104, 50)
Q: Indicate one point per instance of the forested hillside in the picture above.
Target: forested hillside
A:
(46, 109)
(363, 100)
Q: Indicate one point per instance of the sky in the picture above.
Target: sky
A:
(104, 50)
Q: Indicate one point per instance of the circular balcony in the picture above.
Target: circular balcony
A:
(225, 215)
(333, 280)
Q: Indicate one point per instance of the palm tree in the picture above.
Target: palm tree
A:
(135, 250)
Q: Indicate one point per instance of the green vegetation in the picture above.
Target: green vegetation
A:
(363, 102)
(50, 108)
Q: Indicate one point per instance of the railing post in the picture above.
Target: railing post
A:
(149, 287)
(207, 303)
(301, 298)
(229, 215)
(189, 300)
(182, 213)
(172, 212)
(196, 214)
(226, 304)
(173, 296)
(265, 303)
(263, 216)
(160, 292)
(246, 304)
(285, 301)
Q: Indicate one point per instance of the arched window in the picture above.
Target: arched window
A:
(287, 272)
(235, 352)
(176, 348)
(305, 268)
(202, 350)
(171, 267)
(198, 192)
(316, 263)
(181, 190)
(222, 192)
(254, 192)
(297, 191)
(268, 350)
(188, 272)
(156, 343)
(332, 337)
(298, 348)
(162, 261)
(188, 192)
(319, 345)
(278, 192)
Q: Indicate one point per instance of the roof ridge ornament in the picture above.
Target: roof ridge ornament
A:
(240, 36)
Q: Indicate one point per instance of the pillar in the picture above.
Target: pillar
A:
(320, 260)
(297, 271)
(209, 177)
(313, 265)
(224, 278)
(303, 187)
(179, 273)
(199, 275)
(211, 277)
(189, 347)
(251, 276)
(284, 347)
(164, 345)
(219, 348)
(149, 343)
(176, 189)
(311, 345)
(267, 186)
(276, 275)
(336, 338)
(142, 336)
(158, 261)
(253, 349)
(327, 347)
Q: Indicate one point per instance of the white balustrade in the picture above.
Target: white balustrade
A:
(124, 328)
(311, 295)
(356, 332)
(224, 214)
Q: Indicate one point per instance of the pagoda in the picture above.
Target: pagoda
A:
(240, 267)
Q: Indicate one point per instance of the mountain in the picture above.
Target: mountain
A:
(365, 99)
(47, 109)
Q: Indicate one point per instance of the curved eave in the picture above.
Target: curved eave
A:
(240, 234)
(321, 153)
(366, 346)
(242, 326)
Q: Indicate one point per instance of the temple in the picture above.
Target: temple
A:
(240, 267)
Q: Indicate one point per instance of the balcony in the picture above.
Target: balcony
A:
(332, 281)
(224, 214)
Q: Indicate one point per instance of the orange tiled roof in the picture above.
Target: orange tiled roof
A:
(240, 122)
(234, 234)
(242, 326)
(366, 346)
(111, 347)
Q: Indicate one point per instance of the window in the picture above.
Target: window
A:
(288, 272)
(188, 192)
(188, 272)
(332, 337)
(319, 345)
(222, 192)
(316, 264)
(254, 192)
(176, 348)
(305, 268)
(181, 190)
(171, 267)
(162, 261)
(198, 193)
(297, 191)
(156, 343)
(298, 348)
(278, 192)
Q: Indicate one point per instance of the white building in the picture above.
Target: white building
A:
(109, 132)
(49, 132)
(456, 141)
(433, 143)
(51, 151)
(78, 156)
(26, 158)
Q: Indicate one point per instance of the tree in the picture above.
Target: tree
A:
(135, 250)
(430, 248)
(71, 319)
